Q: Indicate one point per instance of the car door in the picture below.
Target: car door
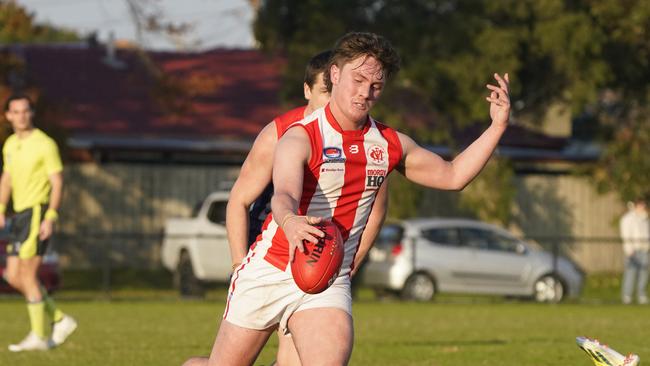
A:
(440, 252)
(498, 264)
(212, 239)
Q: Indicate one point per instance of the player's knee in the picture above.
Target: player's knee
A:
(13, 280)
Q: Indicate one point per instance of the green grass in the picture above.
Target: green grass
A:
(153, 327)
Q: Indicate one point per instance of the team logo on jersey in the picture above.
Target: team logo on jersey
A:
(377, 154)
(333, 154)
(375, 177)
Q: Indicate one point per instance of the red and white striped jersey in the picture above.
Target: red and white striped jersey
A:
(340, 182)
(283, 121)
(262, 205)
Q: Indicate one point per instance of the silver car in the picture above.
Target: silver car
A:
(420, 257)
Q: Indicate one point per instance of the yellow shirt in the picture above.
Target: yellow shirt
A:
(30, 162)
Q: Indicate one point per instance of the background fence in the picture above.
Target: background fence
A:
(113, 215)
(112, 253)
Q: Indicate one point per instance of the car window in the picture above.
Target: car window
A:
(475, 238)
(217, 212)
(487, 239)
(389, 235)
(504, 243)
(442, 236)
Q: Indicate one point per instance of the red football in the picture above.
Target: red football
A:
(316, 269)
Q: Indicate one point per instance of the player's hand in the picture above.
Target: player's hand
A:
(3, 222)
(46, 229)
(299, 228)
(500, 100)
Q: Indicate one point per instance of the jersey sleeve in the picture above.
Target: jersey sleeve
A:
(52, 158)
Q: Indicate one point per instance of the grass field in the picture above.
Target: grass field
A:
(155, 328)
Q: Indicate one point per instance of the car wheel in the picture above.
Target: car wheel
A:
(419, 287)
(185, 280)
(548, 288)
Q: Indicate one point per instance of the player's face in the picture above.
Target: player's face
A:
(357, 86)
(317, 95)
(19, 115)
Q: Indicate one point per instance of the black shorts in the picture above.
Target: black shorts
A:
(258, 213)
(23, 233)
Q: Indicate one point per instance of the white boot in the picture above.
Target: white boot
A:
(62, 329)
(31, 343)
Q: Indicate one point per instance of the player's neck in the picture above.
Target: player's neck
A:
(24, 133)
(346, 123)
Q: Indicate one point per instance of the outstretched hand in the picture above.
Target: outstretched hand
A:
(500, 100)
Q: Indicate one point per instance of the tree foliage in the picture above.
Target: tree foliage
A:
(558, 52)
(18, 26)
(148, 18)
(622, 113)
(491, 194)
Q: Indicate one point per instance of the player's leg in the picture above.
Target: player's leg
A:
(629, 275)
(322, 336)
(287, 353)
(642, 280)
(11, 272)
(28, 270)
(32, 291)
(37, 337)
(234, 346)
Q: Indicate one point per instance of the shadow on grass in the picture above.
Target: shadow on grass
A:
(117, 279)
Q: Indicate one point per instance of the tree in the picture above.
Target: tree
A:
(622, 113)
(148, 18)
(18, 26)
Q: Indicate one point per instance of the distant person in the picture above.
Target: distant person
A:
(32, 176)
(250, 197)
(635, 232)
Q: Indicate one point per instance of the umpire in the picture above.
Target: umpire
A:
(32, 176)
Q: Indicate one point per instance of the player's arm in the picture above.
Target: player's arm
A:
(375, 222)
(626, 236)
(291, 156)
(254, 176)
(54, 169)
(56, 183)
(428, 169)
(5, 192)
(51, 215)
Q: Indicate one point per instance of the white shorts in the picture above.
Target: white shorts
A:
(261, 296)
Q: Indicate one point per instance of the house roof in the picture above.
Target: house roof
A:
(213, 95)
